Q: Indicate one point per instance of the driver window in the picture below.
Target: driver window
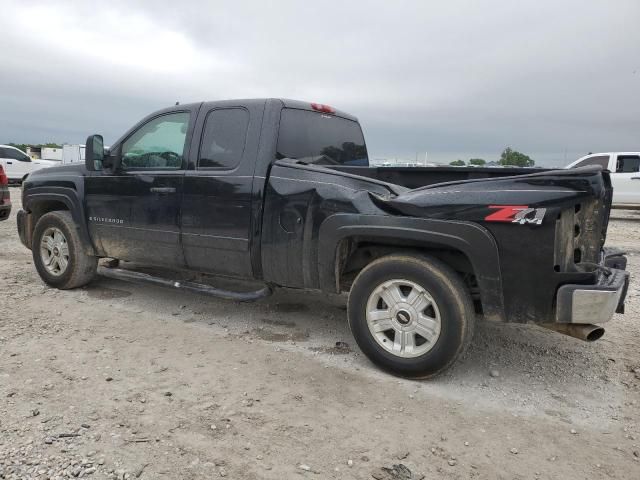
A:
(158, 144)
(23, 157)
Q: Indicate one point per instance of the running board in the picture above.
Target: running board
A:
(138, 277)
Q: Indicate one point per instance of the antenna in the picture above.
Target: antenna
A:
(177, 103)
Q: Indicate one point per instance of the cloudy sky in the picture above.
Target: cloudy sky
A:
(554, 79)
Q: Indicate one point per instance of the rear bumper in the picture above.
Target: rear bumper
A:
(598, 302)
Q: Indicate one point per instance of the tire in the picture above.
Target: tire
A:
(428, 310)
(76, 268)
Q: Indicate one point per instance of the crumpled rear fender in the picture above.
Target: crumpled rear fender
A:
(473, 240)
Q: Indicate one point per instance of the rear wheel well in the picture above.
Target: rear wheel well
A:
(354, 254)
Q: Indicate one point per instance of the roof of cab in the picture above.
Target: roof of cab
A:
(286, 102)
(302, 105)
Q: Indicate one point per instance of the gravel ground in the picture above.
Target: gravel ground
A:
(123, 381)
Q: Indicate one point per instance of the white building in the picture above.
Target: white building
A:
(48, 153)
(73, 153)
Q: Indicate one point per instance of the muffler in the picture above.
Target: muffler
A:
(583, 331)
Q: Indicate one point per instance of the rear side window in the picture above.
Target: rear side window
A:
(628, 164)
(602, 160)
(321, 139)
(224, 137)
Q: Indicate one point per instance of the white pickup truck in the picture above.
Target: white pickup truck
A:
(625, 175)
(17, 164)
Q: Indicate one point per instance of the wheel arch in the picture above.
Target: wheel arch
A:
(38, 204)
(342, 235)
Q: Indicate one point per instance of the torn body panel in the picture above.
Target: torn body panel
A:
(520, 257)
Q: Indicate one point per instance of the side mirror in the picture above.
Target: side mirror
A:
(94, 153)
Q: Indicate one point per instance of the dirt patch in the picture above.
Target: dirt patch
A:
(132, 390)
(279, 323)
(104, 293)
(291, 307)
(340, 348)
(271, 336)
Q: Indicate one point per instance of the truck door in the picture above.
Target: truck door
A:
(217, 200)
(134, 213)
(626, 179)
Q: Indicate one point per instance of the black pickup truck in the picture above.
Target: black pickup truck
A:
(281, 192)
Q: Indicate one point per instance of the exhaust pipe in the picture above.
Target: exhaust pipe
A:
(583, 331)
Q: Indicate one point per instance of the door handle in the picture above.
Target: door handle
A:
(9, 163)
(635, 178)
(162, 190)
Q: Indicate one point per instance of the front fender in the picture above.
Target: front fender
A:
(474, 241)
(70, 198)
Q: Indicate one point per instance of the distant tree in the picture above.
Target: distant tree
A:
(515, 158)
(24, 146)
(19, 146)
(458, 163)
(477, 161)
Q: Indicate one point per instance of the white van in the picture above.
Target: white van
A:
(17, 164)
(625, 174)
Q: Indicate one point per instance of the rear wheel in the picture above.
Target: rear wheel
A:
(58, 252)
(411, 315)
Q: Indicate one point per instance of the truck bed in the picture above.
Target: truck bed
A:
(415, 177)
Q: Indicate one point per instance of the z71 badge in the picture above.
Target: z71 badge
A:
(516, 214)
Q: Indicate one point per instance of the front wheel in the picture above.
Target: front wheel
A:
(411, 315)
(58, 253)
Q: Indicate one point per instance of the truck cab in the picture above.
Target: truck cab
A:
(625, 175)
(192, 178)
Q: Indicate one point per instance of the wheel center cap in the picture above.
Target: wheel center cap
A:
(403, 317)
(56, 250)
